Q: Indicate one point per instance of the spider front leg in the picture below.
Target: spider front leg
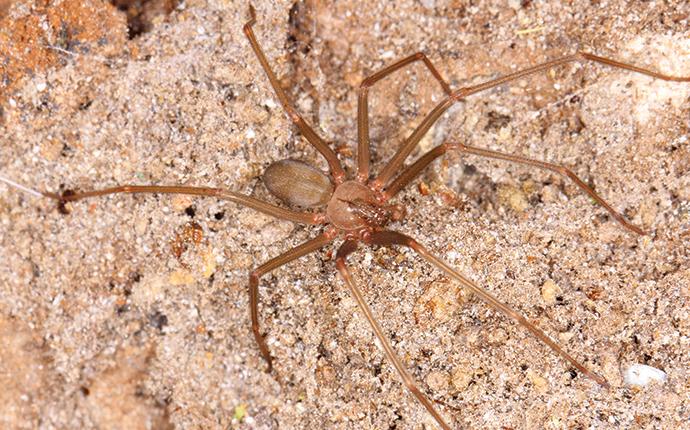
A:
(345, 249)
(363, 155)
(293, 254)
(397, 161)
(418, 166)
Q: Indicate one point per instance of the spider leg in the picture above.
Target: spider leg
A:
(396, 163)
(241, 199)
(345, 249)
(299, 251)
(309, 134)
(363, 156)
(418, 166)
(410, 172)
(387, 238)
(21, 187)
(411, 142)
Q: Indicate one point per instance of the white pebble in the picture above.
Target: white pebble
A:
(549, 291)
(641, 375)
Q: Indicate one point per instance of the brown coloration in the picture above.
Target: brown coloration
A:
(418, 166)
(341, 210)
(306, 130)
(192, 234)
(298, 184)
(267, 208)
(48, 31)
(363, 156)
(358, 211)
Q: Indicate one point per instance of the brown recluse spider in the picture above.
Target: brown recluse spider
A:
(359, 207)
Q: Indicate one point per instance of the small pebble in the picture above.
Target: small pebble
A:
(513, 197)
(326, 375)
(181, 202)
(270, 103)
(209, 263)
(505, 133)
(141, 225)
(437, 381)
(461, 379)
(149, 289)
(641, 375)
(539, 383)
(438, 303)
(181, 277)
(497, 337)
(549, 291)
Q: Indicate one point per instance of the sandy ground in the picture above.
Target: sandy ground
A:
(131, 311)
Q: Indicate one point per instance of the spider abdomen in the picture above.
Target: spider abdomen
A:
(298, 184)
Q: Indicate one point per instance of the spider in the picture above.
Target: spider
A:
(359, 207)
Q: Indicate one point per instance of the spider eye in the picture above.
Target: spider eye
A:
(298, 184)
